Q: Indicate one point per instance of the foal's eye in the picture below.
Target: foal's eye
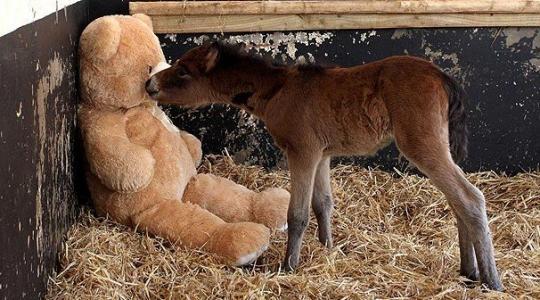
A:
(181, 71)
(149, 69)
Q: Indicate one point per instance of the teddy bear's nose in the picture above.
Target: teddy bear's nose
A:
(151, 87)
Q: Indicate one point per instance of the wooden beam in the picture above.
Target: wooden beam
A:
(172, 8)
(250, 16)
(254, 23)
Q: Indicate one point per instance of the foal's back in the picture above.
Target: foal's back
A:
(350, 111)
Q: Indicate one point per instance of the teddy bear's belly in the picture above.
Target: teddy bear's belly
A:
(173, 169)
(174, 165)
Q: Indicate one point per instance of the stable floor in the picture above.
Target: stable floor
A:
(395, 237)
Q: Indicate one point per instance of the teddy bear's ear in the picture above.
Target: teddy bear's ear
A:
(100, 39)
(146, 20)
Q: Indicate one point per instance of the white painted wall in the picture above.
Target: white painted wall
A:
(17, 13)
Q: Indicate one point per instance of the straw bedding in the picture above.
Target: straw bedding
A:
(395, 237)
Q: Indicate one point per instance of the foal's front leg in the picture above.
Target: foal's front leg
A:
(302, 167)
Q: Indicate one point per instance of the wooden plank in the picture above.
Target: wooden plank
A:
(254, 23)
(172, 8)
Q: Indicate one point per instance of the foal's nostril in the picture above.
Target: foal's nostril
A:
(151, 88)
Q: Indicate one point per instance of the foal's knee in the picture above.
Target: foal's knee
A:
(297, 222)
(322, 204)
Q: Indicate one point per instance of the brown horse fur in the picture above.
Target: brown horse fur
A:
(315, 113)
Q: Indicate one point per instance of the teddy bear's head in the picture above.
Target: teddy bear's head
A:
(117, 54)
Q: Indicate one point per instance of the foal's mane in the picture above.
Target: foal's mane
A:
(234, 54)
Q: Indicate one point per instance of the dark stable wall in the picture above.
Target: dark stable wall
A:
(499, 68)
(40, 176)
(37, 133)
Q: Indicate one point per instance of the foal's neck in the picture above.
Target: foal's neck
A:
(254, 86)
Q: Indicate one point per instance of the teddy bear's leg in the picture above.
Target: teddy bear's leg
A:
(270, 208)
(191, 226)
(235, 203)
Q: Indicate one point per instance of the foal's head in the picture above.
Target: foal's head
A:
(209, 73)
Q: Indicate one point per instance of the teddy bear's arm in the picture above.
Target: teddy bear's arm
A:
(118, 163)
(194, 146)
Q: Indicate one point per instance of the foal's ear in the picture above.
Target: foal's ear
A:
(212, 56)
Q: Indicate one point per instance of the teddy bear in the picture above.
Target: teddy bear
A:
(142, 169)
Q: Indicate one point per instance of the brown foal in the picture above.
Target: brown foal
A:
(315, 113)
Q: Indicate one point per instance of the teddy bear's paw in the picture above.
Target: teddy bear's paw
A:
(270, 208)
(240, 243)
(250, 257)
(283, 227)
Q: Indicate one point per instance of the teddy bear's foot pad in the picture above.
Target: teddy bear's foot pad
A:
(283, 227)
(250, 257)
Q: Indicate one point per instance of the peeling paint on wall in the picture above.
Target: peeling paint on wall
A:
(536, 63)
(50, 80)
(400, 33)
(273, 44)
(455, 70)
(524, 42)
(54, 148)
(515, 35)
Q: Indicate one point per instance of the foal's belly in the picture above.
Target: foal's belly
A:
(360, 128)
(362, 146)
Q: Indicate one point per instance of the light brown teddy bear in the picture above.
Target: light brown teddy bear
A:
(142, 169)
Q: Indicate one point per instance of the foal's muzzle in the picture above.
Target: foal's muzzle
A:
(152, 87)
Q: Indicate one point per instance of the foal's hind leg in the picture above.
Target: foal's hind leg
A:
(430, 153)
(468, 267)
(322, 202)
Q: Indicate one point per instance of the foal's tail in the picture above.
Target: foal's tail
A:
(457, 118)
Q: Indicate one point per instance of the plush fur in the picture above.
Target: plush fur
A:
(142, 169)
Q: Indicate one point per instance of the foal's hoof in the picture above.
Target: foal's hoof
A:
(491, 281)
(470, 275)
(494, 286)
(473, 277)
(289, 266)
